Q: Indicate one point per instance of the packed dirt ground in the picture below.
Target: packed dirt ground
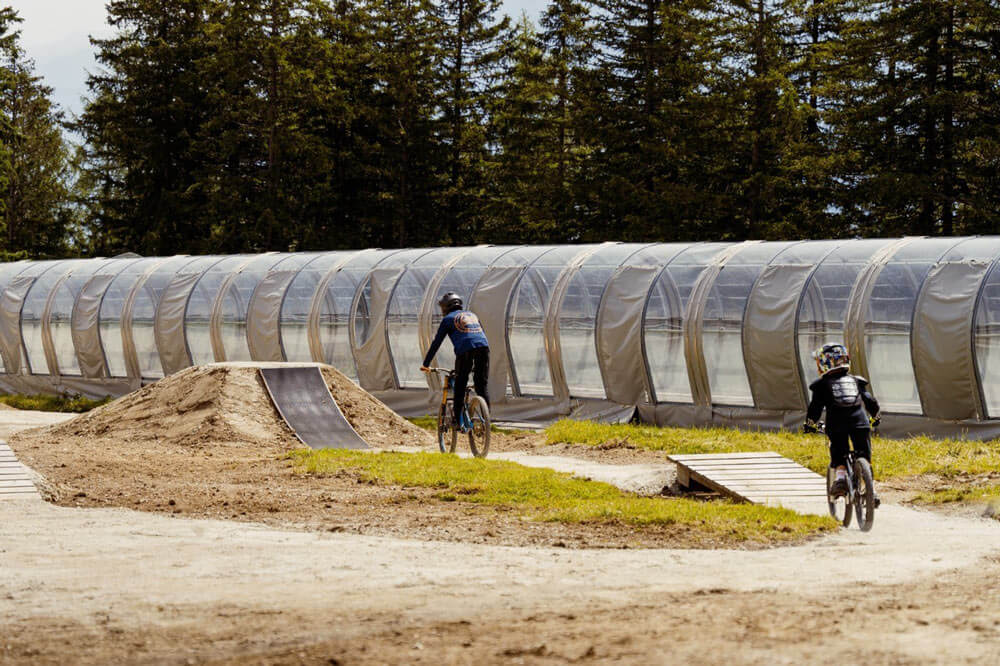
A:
(181, 535)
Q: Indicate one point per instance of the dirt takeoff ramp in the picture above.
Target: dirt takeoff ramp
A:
(301, 395)
(15, 481)
(759, 478)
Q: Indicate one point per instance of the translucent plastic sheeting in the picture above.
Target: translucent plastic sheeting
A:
(113, 305)
(298, 300)
(889, 320)
(201, 301)
(61, 312)
(403, 320)
(34, 309)
(663, 322)
(526, 321)
(462, 279)
(11, 306)
(578, 319)
(823, 306)
(235, 302)
(8, 272)
(166, 297)
(987, 341)
(722, 327)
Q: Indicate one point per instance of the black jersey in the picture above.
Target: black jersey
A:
(845, 398)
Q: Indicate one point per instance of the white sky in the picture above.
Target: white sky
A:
(55, 34)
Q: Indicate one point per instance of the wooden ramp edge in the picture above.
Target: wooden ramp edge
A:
(758, 478)
(15, 479)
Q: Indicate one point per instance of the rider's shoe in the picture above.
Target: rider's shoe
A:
(878, 501)
(839, 488)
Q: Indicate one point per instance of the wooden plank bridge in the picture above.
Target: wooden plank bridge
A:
(15, 480)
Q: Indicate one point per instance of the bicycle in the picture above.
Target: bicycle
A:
(860, 500)
(475, 418)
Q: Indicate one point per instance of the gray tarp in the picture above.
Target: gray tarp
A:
(619, 334)
(769, 344)
(169, 325)
(85, 327)
(264, 316)
(942, 344)
(374, 370)
(10, 321)
(489, 301)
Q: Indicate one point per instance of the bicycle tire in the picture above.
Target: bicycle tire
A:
(840, 507)
(447, 437)
(864, 504)
(479, 434)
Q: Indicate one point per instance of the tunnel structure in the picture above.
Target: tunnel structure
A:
(681, 334)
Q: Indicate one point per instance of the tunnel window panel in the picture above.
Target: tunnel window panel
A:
(31, 315)
(403, 319)
(298, 299)
(823, 307)
(147, 299)
(61, 314)
(987, 342)
(198, 315)
(526, 320)
(7, 273)
(236, 303)
(363, 315)
(578, 319)
(663, 322)
(889, 323)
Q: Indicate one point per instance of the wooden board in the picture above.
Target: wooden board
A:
(15, 478)
(758, 478)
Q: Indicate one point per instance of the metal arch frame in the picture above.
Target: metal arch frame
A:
(74, 316)
(602, 310)
(984, 412)
(13, 365)
(132, 369)
(920, 376)
(647, 375)
(215, 314)
(752, 380)
(157, 325)
(47, 349)
(425, 317)
(48, 343)
(251, 321)
(551, 325)
(316, 303)
(515, 383)
(381, 317)
(694, 350)
(798, 311)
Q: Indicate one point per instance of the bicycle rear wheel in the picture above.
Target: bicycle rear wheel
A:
(479, 434)
(840, 507)
(447, 435)
(864, 503)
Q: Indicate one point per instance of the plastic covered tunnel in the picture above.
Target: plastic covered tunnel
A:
(681, 334)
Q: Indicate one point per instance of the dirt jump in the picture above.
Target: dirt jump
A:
(175, 531)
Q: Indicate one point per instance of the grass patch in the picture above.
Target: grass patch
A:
(426, 422)
(74, 404)
(893, 458)
(546, 495)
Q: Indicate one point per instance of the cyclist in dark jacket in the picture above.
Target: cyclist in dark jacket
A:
(845, 397)
(472, 349)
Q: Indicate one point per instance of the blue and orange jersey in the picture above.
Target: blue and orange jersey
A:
(465, 331)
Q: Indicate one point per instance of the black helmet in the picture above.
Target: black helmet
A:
(450, 301)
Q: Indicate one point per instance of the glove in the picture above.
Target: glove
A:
(876, 420)
(809, 427)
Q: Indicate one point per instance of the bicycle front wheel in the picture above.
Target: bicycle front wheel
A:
(479, 434)
(447, 435)
(864, 502)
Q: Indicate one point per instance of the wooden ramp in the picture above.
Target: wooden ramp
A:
(758, 478)
(15, 480)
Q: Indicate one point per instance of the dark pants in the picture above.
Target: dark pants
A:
(476, 361)
(861, 437)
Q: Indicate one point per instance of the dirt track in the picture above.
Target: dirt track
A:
(100, 585)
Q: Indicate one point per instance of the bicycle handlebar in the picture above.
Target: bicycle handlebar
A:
(445, 371)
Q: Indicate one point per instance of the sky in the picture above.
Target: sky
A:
(55, 33)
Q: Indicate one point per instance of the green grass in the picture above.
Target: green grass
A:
(426, 422)
(891, 458)
(546, 495)
(75, 404)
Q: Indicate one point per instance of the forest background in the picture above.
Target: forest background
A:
(226, 126)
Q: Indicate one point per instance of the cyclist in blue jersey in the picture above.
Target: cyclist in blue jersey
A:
(472, 349)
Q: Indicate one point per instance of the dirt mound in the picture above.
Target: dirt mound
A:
(204, 405)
